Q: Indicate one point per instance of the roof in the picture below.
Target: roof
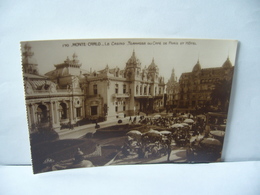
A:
(133, 60)
(227, 63)
(153, 67)
(40, 84)
(33, 76)
(197, 67)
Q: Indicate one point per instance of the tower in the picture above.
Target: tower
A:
(133, 67)
(30, 65)
(133, 72)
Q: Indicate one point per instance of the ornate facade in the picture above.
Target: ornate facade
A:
(56, 98)
(172, 92)
(111, 92)
(196, 87)
(69, 94)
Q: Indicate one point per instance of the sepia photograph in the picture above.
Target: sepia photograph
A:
(104, 102)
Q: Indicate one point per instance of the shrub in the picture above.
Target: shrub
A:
(43, 136)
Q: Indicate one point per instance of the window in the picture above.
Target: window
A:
(141, 90)
(124, 88)
(78, 112)
(116, 108)
(116, 89)
(63, 111)
(145, 90)
(95, 91)
(93, 110)
(137, 89)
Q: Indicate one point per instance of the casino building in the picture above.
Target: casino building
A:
(114, 92)
(56, 98)
(68, 94)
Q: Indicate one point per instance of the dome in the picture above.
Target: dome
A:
(133, 60)
(153, 67)
(227, 64)
(197, 67)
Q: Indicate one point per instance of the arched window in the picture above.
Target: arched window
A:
(137, 87)
(42, 114)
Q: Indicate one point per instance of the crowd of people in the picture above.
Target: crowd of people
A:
(160, 143)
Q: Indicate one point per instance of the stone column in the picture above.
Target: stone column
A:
(52, 113)
(56, 117)
(71, 112)
(29, 115)
(34, 118)
(83, 108)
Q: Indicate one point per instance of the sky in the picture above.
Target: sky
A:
(180, 54)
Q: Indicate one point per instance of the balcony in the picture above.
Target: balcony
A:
(121, 95)
(158, 96)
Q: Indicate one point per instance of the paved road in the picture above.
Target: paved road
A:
(80, 131)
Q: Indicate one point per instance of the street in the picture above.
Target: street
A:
(81, 131)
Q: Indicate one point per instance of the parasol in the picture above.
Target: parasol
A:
(157, 116)
(153, 133)
(211, 142)
(165, 132)
(218, 134)
(188, 120)
(134, 134)
(177, 125)
(184, 116)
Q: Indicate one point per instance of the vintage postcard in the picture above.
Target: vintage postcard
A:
(100, 102)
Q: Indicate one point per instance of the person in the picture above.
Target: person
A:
(79, 160)
(127, 146)
(169, 149)
(97, 125)
(134, 121)
(48, 165)
(155, 150)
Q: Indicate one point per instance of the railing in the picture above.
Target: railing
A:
(59, 91)
(123, 95)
